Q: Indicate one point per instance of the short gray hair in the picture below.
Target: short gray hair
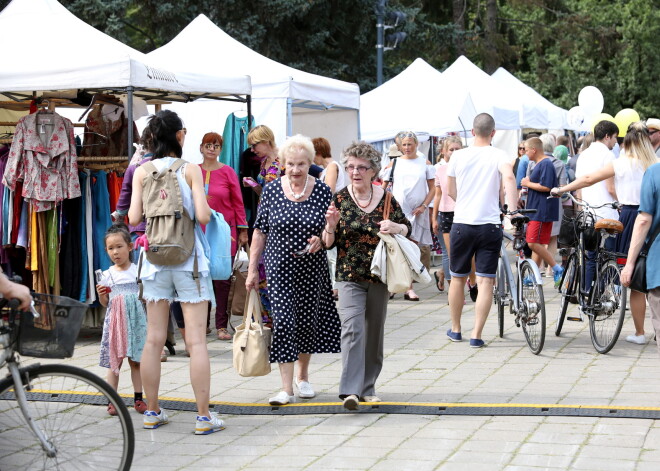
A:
(295, 144)
(483, 125)
(362, 150)
(549, 143)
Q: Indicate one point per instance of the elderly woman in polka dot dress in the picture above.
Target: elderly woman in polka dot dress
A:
(289, 222)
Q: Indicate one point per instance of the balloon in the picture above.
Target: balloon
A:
(591, 100)
(601, 117)
(575, 117)
(623, 119)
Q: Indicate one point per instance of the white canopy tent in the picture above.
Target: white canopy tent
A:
(285, 99)
(71, 55)
(556, 116)
(419, 100)
(488, 95)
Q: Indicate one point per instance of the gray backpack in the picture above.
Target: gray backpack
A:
(170, 229)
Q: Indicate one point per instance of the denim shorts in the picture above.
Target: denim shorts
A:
(174, 285)
(483, 242)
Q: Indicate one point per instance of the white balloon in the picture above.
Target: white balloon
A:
(591, 100)
(575, 117)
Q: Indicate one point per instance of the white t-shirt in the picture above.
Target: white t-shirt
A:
(628, 174)
(595, 157)
(341, 176)
(112, 276)
(478, 181)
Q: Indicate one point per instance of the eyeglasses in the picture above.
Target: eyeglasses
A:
(653, 132)
(360, 168)
(212, 146)
(185, 131)
(302, 252)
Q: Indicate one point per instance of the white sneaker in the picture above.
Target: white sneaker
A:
(207, 425)
(152, 420)
(638, 339)
(305, 390)
(281, 399)
(351, 402)
(372, 399)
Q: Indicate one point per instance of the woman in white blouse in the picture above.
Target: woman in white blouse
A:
(636, 156)
(413, 186)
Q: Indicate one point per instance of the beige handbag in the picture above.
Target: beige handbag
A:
(252, 341)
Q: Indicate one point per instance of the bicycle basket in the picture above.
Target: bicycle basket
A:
(589, 232)
(53, 334)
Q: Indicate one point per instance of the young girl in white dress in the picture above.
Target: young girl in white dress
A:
(125, 326)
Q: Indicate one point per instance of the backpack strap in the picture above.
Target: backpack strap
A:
(139, 279)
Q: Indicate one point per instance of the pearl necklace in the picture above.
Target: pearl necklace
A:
(302, 193)
(357, 200)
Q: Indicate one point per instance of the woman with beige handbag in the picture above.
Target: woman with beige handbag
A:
(354, 220)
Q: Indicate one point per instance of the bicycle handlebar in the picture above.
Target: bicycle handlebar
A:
(584, 204)
(12, 303)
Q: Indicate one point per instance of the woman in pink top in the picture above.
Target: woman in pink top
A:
(223, 194)
(444, 206)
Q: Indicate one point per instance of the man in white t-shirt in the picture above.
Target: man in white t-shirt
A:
(591, 159)
(474, 179)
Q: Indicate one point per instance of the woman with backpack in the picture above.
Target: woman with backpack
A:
(168, 182)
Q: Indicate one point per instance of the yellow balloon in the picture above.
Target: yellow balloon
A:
(623, 119)
(601, 117)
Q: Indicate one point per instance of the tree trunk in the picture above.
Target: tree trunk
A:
(458, 16)
(491, 61)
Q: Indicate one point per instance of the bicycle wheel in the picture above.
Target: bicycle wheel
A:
(567, 288)
(532, 305)
(605, 324)
(69, 405)
(499, 294)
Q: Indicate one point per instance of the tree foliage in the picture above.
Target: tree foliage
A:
(555, 46)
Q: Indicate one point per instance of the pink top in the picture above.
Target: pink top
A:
(224, 196)
(446, 203)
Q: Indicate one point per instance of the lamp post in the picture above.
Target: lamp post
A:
(380, 33)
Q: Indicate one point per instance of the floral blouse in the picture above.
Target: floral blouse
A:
(356, 236)
(270, 173)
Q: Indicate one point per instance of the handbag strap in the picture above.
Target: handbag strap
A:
(649, 243)
(387, 206)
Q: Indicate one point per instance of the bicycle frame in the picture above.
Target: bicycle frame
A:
(512, 283)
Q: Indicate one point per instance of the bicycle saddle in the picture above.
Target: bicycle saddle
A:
(609, 225)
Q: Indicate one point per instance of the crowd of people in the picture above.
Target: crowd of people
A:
(311, 241)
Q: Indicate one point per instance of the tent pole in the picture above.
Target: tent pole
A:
(249, 111)
(129, 117)
(289, 117)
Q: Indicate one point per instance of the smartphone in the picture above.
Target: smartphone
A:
(250, 181)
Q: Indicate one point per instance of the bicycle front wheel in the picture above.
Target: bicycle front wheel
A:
(68, 404)
(609, 303)
(499, 294)
(567, 289)
(532, 305)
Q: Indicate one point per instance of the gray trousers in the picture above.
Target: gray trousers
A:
(362, 310)
(654, 307)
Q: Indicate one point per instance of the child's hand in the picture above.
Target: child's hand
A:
(102, 290)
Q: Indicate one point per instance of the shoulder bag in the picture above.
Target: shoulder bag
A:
(638, 278)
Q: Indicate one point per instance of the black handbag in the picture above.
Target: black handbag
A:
(638, 278)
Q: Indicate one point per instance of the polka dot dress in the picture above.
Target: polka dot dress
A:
(305, 318)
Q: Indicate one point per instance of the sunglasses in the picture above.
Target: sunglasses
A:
(653, 132)
(521, 148)
(212, 146)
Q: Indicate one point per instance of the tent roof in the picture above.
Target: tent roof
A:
(556, 115)
(70, 54)
(489, 95)
(418, 100)
(202, 39)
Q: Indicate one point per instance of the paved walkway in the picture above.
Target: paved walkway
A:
(422, 365)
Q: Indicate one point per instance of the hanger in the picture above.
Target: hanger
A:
(96, 143)
(241, 112)
(101, 98)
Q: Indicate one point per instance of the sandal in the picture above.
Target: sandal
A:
(439, 280)
(223, 334)
(111, 410)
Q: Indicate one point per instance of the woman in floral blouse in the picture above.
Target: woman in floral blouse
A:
(353, 221)
(262, 142)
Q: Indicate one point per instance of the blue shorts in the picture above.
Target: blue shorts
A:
(483, 242)
(173, 285)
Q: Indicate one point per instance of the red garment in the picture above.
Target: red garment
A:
(16, 214)
(224, 196)
(114, 189)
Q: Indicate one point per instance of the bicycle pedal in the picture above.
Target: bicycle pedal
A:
(574, 319)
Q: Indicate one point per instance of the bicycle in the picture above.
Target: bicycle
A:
(49, 414)
(522, 293)
(604, 302)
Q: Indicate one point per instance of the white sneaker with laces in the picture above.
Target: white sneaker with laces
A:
(281, 399)
(638, 339)
(305, 390)
(207, 425)
(152, 420)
